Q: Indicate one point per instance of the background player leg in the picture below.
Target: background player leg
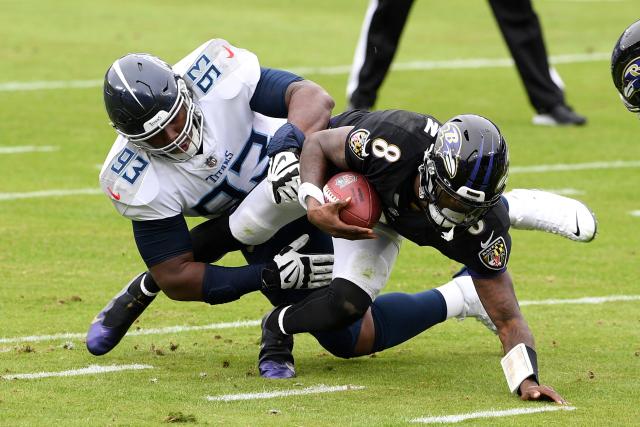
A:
(379, 37)
(522, 32)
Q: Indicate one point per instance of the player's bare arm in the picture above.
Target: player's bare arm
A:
(499, 300)
(309, 106)
(321, 150)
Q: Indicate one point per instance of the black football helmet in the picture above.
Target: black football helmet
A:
(464, 172)
(625, 67)
(142, 96)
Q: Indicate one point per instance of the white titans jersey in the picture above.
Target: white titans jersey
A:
(222, 79)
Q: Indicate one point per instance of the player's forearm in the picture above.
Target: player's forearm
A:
(513, 332)
(309, 107)
(313, 162)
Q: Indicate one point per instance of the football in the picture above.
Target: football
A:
(364, 209)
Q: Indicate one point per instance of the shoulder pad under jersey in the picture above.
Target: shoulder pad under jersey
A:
(127, 176)
(218, 67)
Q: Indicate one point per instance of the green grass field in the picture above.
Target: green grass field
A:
(62, 258)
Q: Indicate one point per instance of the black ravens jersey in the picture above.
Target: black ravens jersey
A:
(387, 147)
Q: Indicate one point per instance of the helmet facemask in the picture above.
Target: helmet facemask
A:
(447, 208)
(187, 143)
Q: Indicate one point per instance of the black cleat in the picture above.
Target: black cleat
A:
(560, 115)
(275, 360)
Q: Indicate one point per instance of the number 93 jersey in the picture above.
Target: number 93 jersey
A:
(232, 161)
(387, 147)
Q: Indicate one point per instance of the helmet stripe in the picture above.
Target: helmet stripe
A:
(487, 174)
(476, 166)
(118, 70)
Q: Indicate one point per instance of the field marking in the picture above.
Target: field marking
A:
(283, 393)
(455, 64)
(564, 167)
(634, 213)
(49, 193)
(559, 167)
(248, 323)
(564, 191)
(449, 419)
(151, 331)
(92, 369)
(585, 300)
(28, 149)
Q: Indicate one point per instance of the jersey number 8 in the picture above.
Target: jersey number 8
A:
(383, 149)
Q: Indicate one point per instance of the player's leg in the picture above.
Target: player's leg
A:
(397, 317)
(361, 269)
(256, 220)
(544, 211)
(379, 37)
(113, 321)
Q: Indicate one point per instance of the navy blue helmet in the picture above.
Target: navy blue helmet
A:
(142, 96)
(625, 67)
(464, 172)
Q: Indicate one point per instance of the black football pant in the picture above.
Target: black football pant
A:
(516, 19)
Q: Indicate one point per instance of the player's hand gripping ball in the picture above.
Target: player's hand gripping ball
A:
(364, 209)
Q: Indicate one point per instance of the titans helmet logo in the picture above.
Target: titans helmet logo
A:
(631, 78)
(448, 147)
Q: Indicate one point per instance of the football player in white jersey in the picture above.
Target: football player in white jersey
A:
(194, 140)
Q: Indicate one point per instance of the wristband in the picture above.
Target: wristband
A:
(308, 189)
(520, 363)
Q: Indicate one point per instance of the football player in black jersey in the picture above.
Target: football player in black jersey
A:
(440, 186)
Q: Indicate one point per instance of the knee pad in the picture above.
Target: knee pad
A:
(348, 303)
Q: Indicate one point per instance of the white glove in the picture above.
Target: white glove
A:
(284, 177)
(303, 271)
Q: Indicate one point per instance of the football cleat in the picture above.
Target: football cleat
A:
(275, 360)
(541, 210)
(472, 305)
(113, 322)
(560, 115)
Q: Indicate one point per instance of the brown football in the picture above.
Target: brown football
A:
(364, 209)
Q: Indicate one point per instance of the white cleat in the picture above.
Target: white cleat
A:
(541, 210)
(472, 305)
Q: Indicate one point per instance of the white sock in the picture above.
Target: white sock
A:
(453, 298)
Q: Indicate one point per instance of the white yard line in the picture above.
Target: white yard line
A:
(27, 149)
(560, 167)
(634, 213)
(92, 369)
(152, 331)
(449, 419)
(49, 193)
(283, 393)
(564, 167)
(248, 323)
(455, 64)
(585, 300)
(564, 191)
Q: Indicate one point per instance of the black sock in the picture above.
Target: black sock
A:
(331, 308)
